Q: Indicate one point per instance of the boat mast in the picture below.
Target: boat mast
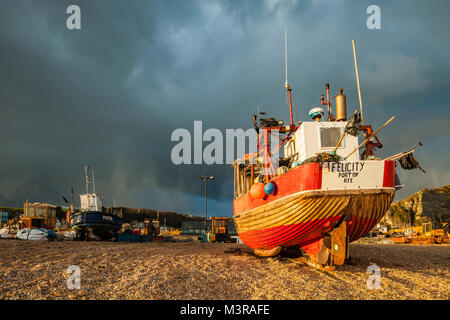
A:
(264, 136)
(87, 178)
(87, 186)
(286, 85)
(93, 181)
(72, 207)
(357, 81)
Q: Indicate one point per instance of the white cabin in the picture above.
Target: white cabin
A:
(91, 202)
(313, 137)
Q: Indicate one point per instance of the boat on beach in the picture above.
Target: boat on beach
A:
(321, 194)
(92, 219)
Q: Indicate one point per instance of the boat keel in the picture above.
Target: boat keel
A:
(262, 252)
(329, 251)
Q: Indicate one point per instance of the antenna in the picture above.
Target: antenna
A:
(86, 168)
(87, 178)
(286, 85)
(285, 57)
(73, 202)
(93, 181)
(357, 81)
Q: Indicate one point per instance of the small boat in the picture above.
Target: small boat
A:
(39, 234)
(7, 233)
(92, 220)
(70, 235)
(321, 194)
(98, 223)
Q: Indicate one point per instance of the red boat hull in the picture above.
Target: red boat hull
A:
(311, 200)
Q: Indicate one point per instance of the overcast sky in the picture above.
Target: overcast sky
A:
(110, 95)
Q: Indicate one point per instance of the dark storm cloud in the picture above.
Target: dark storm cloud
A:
(109, 95)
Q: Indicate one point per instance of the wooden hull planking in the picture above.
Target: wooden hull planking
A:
(309, 204)
(290, 222)
(303, 218)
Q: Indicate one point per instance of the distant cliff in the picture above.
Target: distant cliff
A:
(423, 206)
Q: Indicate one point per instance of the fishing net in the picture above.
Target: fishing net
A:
(354, 124)
(408, 162)
(324, 157)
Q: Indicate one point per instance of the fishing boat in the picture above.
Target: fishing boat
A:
(92, 219)
(321, 194)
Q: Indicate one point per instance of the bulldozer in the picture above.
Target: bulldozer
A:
(430, 234)
(38, 215)
(427, 233)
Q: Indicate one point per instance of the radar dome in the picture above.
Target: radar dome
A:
(316, 114)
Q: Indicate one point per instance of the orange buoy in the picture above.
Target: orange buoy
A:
(257, 191)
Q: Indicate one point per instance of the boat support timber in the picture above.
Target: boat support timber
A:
(333, 250)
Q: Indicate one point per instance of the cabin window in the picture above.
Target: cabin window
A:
(243, 178)
(329, 137)
(36, 223)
